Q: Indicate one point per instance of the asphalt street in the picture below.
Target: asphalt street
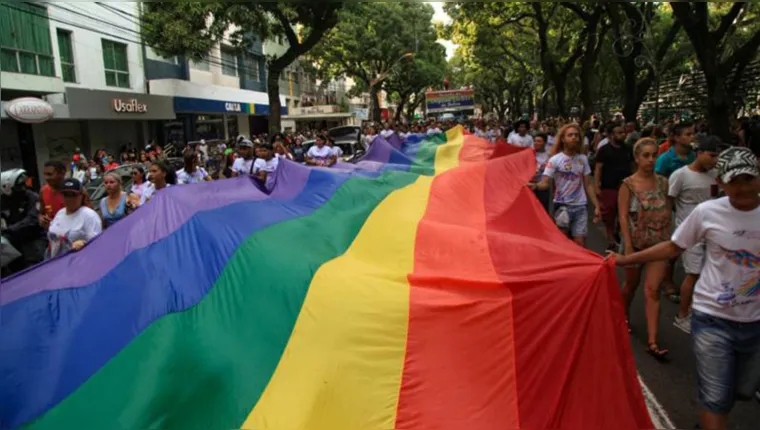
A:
(673, 384)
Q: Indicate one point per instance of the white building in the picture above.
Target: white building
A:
(86, 60)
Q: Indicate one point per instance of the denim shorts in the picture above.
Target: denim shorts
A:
(728, 361)
(574, 219)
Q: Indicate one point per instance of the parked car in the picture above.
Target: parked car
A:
(347, 138)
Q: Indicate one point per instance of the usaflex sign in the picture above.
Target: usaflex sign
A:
(191, 105)
(450, 101)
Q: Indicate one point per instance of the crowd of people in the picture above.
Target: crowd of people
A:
(662, 192)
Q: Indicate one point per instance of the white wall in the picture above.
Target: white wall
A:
(244, 127)
(88, 52)
(214, 75)
(180, 88)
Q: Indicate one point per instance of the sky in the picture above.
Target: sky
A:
(441, 16)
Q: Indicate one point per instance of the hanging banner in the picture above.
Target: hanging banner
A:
(449, 101)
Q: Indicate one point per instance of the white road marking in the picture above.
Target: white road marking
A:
(660, 418)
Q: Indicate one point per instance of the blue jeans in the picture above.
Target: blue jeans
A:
(728, 361)
(576, 221)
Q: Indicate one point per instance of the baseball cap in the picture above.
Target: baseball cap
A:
(736, 161)
(267, 146)
(245, 143)
(708, 144)
(71, 186)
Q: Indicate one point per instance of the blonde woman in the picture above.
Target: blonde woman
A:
(645, 221)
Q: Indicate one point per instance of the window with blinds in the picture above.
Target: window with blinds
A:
(25, 43)
(116, 64)
(66, 54)
(229, 62)
(251, 65)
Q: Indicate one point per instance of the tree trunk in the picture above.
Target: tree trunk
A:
(560, 91)
(275, 107)
(719, 107)
(374, 104)
(400, 109)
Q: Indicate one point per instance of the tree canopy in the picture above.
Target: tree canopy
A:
(584, 57)
(383, 44)
(193, 28)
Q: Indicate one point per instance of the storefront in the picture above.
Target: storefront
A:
(107, 120)
(217, 119)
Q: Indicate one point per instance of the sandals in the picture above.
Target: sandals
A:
(657, 353)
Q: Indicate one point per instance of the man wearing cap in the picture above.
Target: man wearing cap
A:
(75, 224)
(726, 311)
(691, 186)
(244, 164)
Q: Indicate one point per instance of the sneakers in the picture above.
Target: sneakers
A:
(683, 324)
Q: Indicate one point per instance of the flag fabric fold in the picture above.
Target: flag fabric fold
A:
(422, 287)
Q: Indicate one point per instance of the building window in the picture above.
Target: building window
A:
(251, 65)
(66, 54)
(25, 44)
(116, 64)
(202, 65)
(229, 62)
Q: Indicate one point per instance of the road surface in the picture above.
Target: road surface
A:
(673, 385)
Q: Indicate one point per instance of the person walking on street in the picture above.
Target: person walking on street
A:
(570, 171)
(680, 153)
(726, 310)
(75, 224)
(614, 163)
(51, 199)
(542, 159)
(689, 187)
(645, 221)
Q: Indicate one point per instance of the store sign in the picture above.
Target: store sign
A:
(233, 107)
(129, 106)
(29, 110)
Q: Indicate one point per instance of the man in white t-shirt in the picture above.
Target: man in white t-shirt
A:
(387, 131)
(726, 312)
(243, 165)
(320, 154)
(691, 186)
(521, 137)
(265, 166)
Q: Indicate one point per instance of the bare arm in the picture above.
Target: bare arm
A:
(591, 191)
(624, 204)
(598, 175)
(663, 251)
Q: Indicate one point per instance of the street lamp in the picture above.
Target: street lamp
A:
(395, 64)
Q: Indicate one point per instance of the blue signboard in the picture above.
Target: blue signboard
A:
(192, 105)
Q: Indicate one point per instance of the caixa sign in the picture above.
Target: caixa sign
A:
(129, 106)
(233, 107)
(29, 110)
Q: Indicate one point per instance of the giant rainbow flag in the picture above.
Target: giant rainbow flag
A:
(421, 288)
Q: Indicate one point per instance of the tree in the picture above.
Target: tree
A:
(409, 81)
(193, 28)
(646, 44)
(371, 40)
(726, 39)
